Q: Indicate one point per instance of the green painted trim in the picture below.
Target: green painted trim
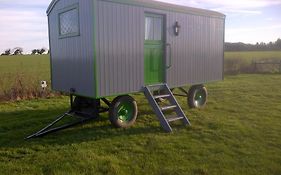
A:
(120, 94)
(223, 53)
(64, 10)
(95, 52)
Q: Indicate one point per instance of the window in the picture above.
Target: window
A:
(69, 22)
(153, 28)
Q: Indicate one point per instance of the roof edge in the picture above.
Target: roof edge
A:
(51, 6)
(160, 5)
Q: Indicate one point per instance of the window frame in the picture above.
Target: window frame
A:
(151, 15)
(64, 10)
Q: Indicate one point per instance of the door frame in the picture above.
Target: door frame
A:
(163, 42)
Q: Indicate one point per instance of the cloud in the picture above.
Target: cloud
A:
(243, 4)
(236, 4)
(237, 11)
(253, 29)
(227, 6)
(25, 3)
(23, 24)
(254, 34)
(269, 19)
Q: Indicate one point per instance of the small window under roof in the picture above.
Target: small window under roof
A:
(69, 22)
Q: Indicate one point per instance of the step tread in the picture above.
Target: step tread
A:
(173, 118)
(161, 96)
(168, 107)
(156, 85)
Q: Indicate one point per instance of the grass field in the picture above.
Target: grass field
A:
(27, 71)
(22, 75)
(35, 66)
(242, 62)
(237, 133)
(31, 69)
(254, 55)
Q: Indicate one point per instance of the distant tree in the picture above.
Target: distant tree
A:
(17, 51)
(41, 51)
(278, 44)
(271, 46)
(6, 52)
(34, 51)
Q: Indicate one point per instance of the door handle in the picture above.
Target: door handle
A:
(168, 45)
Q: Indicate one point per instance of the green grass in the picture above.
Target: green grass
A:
(237, 133)
(28, 64)
(258, 55)
(242, 62)
(31, 69)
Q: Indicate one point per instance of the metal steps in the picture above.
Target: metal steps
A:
(166, 108)
(160, 110)
(161, 96)
(173, 118)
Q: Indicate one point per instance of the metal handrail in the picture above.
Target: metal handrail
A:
(168, 45)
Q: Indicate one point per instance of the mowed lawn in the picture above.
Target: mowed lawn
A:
(237, 133)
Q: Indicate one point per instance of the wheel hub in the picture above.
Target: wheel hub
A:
(125, 112)
(199, 98)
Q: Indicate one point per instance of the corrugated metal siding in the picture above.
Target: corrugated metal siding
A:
(197, 53)
(73, 58)
(120, 35)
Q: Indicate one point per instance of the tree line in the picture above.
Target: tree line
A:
(271, 46)
(19, 51)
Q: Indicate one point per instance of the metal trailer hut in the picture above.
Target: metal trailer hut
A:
(104, 48)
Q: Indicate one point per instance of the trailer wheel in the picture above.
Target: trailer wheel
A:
(123, 111)
(197, 96)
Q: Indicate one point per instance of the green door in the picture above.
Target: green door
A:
(154, 49)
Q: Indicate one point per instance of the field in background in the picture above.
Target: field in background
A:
(237, 133)
(243, 62)
(20, 76)
(254, 55)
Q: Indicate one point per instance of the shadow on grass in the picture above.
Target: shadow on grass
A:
(15, 126)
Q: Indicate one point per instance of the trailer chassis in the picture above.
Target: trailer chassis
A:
(74, 112)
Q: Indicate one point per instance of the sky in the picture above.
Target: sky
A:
(23, 23)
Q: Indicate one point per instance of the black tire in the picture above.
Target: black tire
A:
(123, 111)
(197, 96)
